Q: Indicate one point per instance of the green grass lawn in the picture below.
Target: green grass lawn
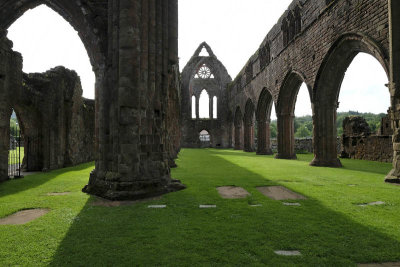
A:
(329, 228)
(13, 155)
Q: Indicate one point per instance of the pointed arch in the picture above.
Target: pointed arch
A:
(326, 92)
(263, 116)
(76, 15)
(285, 113)
(204, 105)
(249, 126)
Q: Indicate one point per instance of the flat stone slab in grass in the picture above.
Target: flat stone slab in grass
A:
(387, 264)
(287, 252)
(58, 193)
(101, 202)
(376, 203)
(157, 206)
(256, 205)
(23, 216)
(279, 193)
(207, 206)
(291, 204)
(232, 192)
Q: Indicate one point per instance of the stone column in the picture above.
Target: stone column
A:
(264, 138)
(248, 136)
(197, 107)
(143, 62)
(286, 140)
(325, 136)
(238, 137)
(394, 82)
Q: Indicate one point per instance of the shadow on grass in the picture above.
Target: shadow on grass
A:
(14, 186)
(232, 234)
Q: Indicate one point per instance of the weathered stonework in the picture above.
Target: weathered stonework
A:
(313, 42)
(10, 77)
(359, 143)
(215, 83)
(56, 122)
(133, 48)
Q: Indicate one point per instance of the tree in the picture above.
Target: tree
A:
(303, 132)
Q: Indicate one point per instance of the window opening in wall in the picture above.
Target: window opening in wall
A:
(204, 136)
(215, 108)
(16, 148)
(204, 53)
(194, 107)
(204, 105)
(303, 125)
(364, 94)
(204, 72)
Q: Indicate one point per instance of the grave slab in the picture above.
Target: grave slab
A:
(279, 193)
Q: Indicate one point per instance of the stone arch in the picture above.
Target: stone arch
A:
(327, 88)
(238, 129)
(263, 117)
(285, 114)
(76, 13)
(248, 120)
(92, 30)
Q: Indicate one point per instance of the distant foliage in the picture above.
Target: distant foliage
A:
(303, 126)
(14, 127)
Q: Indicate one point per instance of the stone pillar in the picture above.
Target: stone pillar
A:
(238, 137)
(248, 136)
(325, 136)
(10, 82)
(286, 142)
(146, 47)
(394, 82)
(264, 138)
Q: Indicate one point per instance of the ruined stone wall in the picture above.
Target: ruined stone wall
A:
(215, 83)
(313, 42)
(302, 144)
(322, 25)
(56, 122)
(10, 81)
(359, 143)
(373, 147)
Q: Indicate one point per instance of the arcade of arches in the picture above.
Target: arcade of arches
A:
(145, 111)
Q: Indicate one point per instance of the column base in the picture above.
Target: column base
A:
(113, 187)
(290, 157)
(333, 163)
(393, 177)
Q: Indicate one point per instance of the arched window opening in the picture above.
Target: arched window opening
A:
(194, 107)
(45, 39)
(215, 108)
(364, 94)
(204, 105)
(204, 136)
(303, 125)
(16, 148)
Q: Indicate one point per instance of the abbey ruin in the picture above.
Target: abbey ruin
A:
(145, 110)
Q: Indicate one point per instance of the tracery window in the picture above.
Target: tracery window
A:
(204, 72)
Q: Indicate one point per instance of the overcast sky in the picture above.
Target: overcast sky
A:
(233, 28)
